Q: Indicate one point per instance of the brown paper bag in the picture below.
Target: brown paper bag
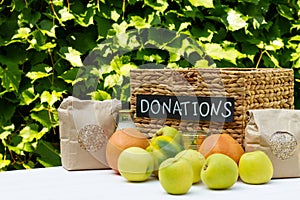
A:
(277, 133)
(85, 127)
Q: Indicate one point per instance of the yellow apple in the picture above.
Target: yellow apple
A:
(175, 175)
(135, 164)
(196, 160)
(255, 167)
(219, 171)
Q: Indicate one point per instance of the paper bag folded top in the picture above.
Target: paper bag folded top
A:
(85, 127)
(277, 133)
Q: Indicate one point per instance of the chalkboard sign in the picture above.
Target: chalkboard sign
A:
(217, 109)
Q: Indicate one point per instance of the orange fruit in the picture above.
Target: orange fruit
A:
(123, 139)
(221, 143)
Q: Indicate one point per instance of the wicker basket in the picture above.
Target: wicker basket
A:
(250, 88)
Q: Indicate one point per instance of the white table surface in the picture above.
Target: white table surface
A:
(60, 184)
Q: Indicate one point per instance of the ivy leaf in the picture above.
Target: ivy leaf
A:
(296, 65)
(202, 63)
(72, 56)
(11, 77)
(285, 11)
(159, 5)
(6, 112)
(28, 96)
(235, 20)
(216, 51)
(28, 134)
(85, 19)
(70, 75)
(275, 45)
(139, 22)
(100, 95)
(184, 26)
(120, 28)
(22, 33)
(39, 71)
(29, 16)
(112, 80)
(125, 69)
(48, 155)
(50, 98)
(204, 3)
(42, 117)
(48, 28)
(65, 15)
(37, 75)
(274, 60)
(115, 15)
(7, 130)
(84, 41)
(3, 162)
(103, 25)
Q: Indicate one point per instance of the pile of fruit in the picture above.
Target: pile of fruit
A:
(218, 162)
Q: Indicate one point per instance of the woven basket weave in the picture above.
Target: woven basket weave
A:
(251, 88)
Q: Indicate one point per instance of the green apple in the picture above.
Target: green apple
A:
(135, 164)
(171, 132)
(196, 160)
(219, 171)
(175, 175)
(158, 158)
(255, 167)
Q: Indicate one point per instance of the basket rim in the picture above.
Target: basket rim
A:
(226, 69)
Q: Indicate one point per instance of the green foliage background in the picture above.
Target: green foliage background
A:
(43, 44)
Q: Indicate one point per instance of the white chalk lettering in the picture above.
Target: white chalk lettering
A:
(214, 110)
(228, 110)
(201, 109)
(195, 104)
(185, 107)
(144, 105)
(177, 108)
(155, 101)
(167, 107)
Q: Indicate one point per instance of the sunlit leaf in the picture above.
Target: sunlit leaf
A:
(139, 22)
(28, 96)
(235, 20)
(204, 3)
(100, 95)
(72, 55)
(85, 19)
(50, 98)
(3, 162)
(37, 75)
(112, 80)
(159, 5)
(65, 15)
(23, 33)
(125, 69)
(115, 15)
(28, 134)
